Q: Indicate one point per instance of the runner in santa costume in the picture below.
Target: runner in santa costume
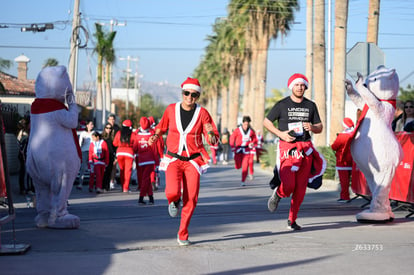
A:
(186, 158)
(259, 148)
(145, 160)
(124, 140)
(298, 164)
(243, 142)
(344, 158)
(155, 175)
(214, 149)
(98, 160)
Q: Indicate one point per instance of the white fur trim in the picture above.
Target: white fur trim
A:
(192, 86)
(343, 168)
(309, 151)
(298, 80)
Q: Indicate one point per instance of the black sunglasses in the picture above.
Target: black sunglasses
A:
(108, 128)
(193, 95)
(408, 107)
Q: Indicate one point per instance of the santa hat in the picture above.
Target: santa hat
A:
(297, 78)
(127, 123)
(144, 123)
(348, 123)
(151, 121)
(191, 83)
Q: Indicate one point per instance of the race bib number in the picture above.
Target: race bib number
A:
(203, 168)
(164, 164)
(297, 127)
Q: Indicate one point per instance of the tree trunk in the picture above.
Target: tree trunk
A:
(319, 69)
(309, 48)
(261, 84)
(233, 96)
(373, 19)
(262, 44)
(214, 103)
(253, 82)
(108, 89)
(98, 114)
(224, 107)
(339, 68)
(246, 88)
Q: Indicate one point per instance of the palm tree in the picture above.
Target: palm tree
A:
(109, 58)
(231, 45)
(50, 62)
(339, 68)
(217, 60)
(104, 50)
(265, 19)
(208, 73)
(100, 51)
(309, 46)
(373, 20)
(319, 62)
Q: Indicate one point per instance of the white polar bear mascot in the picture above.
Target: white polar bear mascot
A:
(52, 157)
(375, 149)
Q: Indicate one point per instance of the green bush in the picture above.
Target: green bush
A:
(330, 158)
(268, 159)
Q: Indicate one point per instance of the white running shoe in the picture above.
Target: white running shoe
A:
(183, 242)
(273, 201)
(173, 208)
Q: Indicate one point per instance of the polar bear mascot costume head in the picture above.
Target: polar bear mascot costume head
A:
(53, 158)
(375, 149)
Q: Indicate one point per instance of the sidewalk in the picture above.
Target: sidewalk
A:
(232, 231)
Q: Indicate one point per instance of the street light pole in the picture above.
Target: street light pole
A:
(128, 59)
(73, 62)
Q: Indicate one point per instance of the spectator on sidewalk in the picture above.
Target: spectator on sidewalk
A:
(344, 159)
(107, 135)
(98, 160)
(124, 141)
(85, 139)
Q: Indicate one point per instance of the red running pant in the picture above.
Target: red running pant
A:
(294, 183)
(182, 174)
(344, 180)
(247, 165)
(98, 173)
(144, 179)
(125, 167)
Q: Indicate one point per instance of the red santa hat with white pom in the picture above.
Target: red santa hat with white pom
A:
(297, 78)
(191, 83)
(347, 123)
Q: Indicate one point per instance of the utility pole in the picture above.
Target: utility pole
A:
(73, 62)
(128, 71)
(329, 77)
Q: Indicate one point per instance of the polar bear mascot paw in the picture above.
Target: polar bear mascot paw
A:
(67, 221)
(367, 216)
(375, 149)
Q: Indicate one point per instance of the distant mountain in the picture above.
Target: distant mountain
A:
(162, 91)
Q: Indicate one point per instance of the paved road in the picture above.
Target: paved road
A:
(232, 231)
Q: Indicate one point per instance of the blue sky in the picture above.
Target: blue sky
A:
(169, 37)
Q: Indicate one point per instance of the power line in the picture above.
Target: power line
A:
(166, 48)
